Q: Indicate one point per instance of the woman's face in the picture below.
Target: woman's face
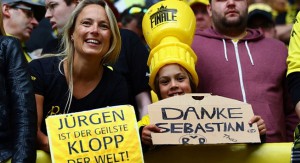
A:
(173, 80)
(92, 32)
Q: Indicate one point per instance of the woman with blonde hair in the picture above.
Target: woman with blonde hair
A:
(78, 79)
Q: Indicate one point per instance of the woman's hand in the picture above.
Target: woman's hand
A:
(146, 133)
(260, 124)
(42, 141)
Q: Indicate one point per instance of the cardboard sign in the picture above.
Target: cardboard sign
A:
(202, 119)
(105, 135)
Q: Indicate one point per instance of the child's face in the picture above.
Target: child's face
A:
(173, 80)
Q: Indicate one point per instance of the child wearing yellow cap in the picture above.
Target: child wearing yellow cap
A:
(171, 60)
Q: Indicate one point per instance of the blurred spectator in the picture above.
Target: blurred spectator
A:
(39, 38)
(40, 35)
(279, 7)
(131, 19)
(256, 1)
(283, 28)
(58, 12)
(121, 5)
(292, 10)
(260, 17)
(149, 3)
(20, 17)
(132, 64)
(203, 20)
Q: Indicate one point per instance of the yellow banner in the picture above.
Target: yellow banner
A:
(105, 135)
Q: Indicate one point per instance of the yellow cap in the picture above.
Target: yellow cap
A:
(169, 28)
(260, 6)
(168, 53)
(191, 2)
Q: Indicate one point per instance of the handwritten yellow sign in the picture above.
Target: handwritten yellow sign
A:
(105, 135)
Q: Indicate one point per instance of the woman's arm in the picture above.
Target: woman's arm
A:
(42, 139)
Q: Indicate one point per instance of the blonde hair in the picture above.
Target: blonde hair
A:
(111, 55)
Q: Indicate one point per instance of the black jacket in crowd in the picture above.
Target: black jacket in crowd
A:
(18, 119)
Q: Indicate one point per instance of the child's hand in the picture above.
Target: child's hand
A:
(146, 133)
(260, 124)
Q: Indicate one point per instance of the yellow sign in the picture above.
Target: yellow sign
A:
(106, 135)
